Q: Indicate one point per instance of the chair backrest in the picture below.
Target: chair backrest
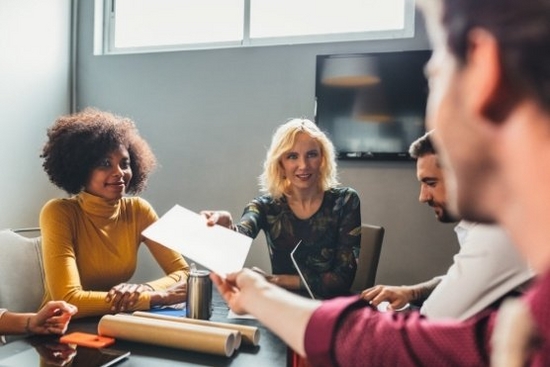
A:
(21, 271)
(371, 245)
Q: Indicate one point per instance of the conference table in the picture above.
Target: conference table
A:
(271, 350)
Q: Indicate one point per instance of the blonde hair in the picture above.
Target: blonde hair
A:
(272, 180)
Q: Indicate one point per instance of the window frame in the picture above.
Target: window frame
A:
(105, 24)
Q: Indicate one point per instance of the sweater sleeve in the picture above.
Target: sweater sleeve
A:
(252, 219)
(347, 332)
(173, 264)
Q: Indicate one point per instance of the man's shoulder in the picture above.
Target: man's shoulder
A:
(477, 228)
(485, 239)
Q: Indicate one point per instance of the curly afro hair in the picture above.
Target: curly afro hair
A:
(78, 142)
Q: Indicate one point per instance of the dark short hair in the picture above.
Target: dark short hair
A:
(78, 142)
(522, 30)
(422, 146)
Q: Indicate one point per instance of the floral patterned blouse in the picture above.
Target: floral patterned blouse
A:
(330, 238)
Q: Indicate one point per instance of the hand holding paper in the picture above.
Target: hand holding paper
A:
(217, 248)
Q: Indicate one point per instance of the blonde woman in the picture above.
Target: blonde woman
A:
(302, 201)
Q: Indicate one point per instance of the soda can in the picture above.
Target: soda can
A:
(199, 295)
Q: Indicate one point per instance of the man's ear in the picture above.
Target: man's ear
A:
(487, 94)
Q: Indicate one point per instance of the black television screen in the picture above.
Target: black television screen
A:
(372, 105)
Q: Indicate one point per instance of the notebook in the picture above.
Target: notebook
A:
(300, 271)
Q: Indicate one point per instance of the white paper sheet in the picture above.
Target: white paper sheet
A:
(233, 315)
(217, 248)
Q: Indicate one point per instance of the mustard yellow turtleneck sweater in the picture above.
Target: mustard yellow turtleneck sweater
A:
(90, 245)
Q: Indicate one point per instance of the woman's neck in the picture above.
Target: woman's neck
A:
(305, 203)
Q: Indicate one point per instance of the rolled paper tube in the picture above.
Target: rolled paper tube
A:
(250, 334)
(236, 333)
(195, 338)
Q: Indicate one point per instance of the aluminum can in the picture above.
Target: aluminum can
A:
(199, 295)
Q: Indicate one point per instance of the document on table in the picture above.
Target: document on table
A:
(233, 315)
(217, 248)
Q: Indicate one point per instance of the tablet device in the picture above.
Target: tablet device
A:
(60, 354)
(300, 271)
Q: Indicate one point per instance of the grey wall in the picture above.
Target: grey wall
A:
(34, 90)
(209, 116)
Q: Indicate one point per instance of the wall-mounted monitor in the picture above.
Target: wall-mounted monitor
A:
(372, 105)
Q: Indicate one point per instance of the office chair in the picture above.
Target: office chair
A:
(371, 245)
(21, 270)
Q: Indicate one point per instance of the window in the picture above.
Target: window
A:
(160, 25)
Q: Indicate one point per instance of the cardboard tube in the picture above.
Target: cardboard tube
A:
(195, 338)
(250, 334)
(238, 336)
(236, 333)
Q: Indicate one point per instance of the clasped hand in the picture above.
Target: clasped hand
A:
(123, 297)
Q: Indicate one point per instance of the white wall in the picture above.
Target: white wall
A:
(209, 116)
(34, 90)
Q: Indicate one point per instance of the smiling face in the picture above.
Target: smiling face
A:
(432, 187)
(301, 164)
(111, 176)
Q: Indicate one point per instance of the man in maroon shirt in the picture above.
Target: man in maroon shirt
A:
(489, 104)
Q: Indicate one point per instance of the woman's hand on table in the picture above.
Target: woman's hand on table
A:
(177, 293)
(124, 296)
(53, 318)
(291, 282)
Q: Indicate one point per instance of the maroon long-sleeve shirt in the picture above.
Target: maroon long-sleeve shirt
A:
(347, 332)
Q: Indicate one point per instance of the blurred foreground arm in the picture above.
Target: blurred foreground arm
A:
(249, 292)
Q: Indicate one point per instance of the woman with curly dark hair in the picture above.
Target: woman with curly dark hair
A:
(90, 240)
